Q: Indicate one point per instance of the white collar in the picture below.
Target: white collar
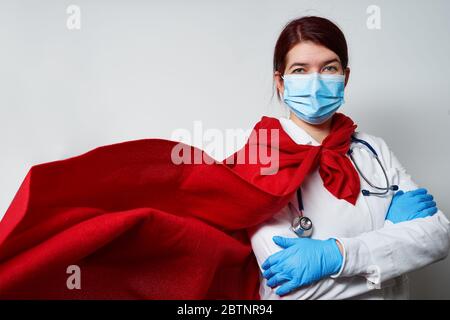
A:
(299, 135)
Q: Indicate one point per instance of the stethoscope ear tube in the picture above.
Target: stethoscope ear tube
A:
(366, 192)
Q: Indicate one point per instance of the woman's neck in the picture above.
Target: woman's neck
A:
(317, 131)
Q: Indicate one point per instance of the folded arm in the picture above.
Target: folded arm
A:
(413, 241)
(399, 247)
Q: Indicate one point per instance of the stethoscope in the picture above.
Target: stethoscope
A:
(303, 227)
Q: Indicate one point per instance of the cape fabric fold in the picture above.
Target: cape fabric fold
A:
(139, 226)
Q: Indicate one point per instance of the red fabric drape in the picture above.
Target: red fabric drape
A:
(141, 227)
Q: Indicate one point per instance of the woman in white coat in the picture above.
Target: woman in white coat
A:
(361, 251)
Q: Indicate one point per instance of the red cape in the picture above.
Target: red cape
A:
(141, 227)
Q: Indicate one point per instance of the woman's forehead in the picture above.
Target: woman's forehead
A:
(308, 52)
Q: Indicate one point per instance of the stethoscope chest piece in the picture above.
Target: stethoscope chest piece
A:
(302, 226)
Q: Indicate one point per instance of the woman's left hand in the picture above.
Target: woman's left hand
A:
(411, 205)
(301, 262)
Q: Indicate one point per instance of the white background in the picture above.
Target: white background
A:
(140, 69)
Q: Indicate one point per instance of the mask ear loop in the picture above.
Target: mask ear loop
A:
(287, 108)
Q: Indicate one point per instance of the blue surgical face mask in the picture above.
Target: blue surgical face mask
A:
(314, 97)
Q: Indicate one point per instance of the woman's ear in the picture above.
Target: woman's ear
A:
(279, 82)
(347, 75)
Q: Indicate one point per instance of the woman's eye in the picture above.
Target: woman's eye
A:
(330, 68)
(299, 70)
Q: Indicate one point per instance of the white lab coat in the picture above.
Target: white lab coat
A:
(377, 253)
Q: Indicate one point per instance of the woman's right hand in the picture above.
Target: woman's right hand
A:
(410, 205)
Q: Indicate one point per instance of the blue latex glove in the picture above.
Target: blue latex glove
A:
(411, 205)
(302, 262)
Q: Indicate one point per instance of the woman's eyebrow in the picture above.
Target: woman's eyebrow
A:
(300, 64)
(330, 61)
(304, 64)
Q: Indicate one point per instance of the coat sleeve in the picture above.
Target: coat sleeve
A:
(395, 249)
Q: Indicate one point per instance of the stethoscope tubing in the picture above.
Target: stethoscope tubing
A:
(366, 192)
(303, 226)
